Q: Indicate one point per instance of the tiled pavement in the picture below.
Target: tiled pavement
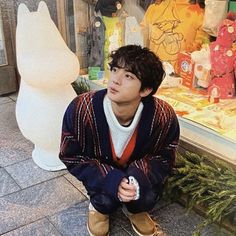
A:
(35, 202)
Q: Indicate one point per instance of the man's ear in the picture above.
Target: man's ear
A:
(145, 92)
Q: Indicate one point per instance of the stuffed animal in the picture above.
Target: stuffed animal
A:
(170, 80)
(223, 55)
(202, 67)
(108, 7)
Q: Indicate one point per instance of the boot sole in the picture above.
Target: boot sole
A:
(134, 228)
(93, 234)
(138, 233)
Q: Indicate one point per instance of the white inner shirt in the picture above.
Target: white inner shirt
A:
(120, 135)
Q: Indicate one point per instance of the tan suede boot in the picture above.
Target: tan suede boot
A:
(98, 224)
(143, 225)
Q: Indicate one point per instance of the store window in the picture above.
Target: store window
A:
(173, 30)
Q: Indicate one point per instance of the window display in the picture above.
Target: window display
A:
(200, 76)
(172, 27)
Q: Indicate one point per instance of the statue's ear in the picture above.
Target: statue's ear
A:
(43, 8)
(22, 11)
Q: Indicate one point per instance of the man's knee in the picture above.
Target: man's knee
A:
(144, 203)
(105, 204)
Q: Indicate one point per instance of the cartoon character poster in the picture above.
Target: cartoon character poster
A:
(173, 26)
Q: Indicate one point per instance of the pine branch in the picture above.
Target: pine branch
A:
(211, 184)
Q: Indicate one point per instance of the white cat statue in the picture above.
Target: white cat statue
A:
(47, 68)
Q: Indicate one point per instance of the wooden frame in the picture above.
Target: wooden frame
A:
(3, 52)
(8, 81)
(61, 18)
(81, 23)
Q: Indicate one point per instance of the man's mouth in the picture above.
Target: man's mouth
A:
(112, 90)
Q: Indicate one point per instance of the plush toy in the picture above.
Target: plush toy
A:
(170, 80)
(202, 67)
(108, 7)
(223, 55)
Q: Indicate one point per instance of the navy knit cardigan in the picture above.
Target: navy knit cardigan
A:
(86, 149)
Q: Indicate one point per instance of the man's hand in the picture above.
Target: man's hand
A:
(126, 191)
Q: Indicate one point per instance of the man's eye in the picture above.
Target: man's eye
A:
(114, 69)
(129, 77)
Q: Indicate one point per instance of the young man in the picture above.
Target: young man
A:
(121, 141)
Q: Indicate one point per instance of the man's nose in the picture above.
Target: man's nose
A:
(117, 78)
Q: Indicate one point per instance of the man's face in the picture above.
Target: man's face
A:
(123, 86)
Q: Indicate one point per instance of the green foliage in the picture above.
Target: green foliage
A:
(208, 184)
(80, 86)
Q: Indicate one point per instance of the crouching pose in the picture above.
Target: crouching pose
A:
(121, 141)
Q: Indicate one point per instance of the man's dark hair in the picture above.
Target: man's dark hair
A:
(141, 62)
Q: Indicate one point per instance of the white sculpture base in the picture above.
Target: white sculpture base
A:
(43, 126)
(47, 159)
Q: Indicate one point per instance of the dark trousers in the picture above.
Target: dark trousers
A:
(106, 204)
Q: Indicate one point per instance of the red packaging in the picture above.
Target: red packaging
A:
(185, 68)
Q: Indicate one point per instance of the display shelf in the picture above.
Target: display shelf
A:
(191, 105)
(204, 125)
(207, 140)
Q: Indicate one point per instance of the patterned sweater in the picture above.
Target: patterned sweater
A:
(87, 153)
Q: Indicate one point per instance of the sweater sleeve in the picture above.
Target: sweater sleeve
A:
(153, 168)
(80, 154)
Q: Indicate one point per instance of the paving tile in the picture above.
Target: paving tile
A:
(174, 220)
(167, 218)
(8, 117)
(78, 184)
(161, 203)
(26, 173)
(7, 184)
(14, 149)
(72, 221)
(39, 228)
(119, 223)
(36, 202)
(4, 100)
(121, 232)
(215, 230)
(13, 146)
